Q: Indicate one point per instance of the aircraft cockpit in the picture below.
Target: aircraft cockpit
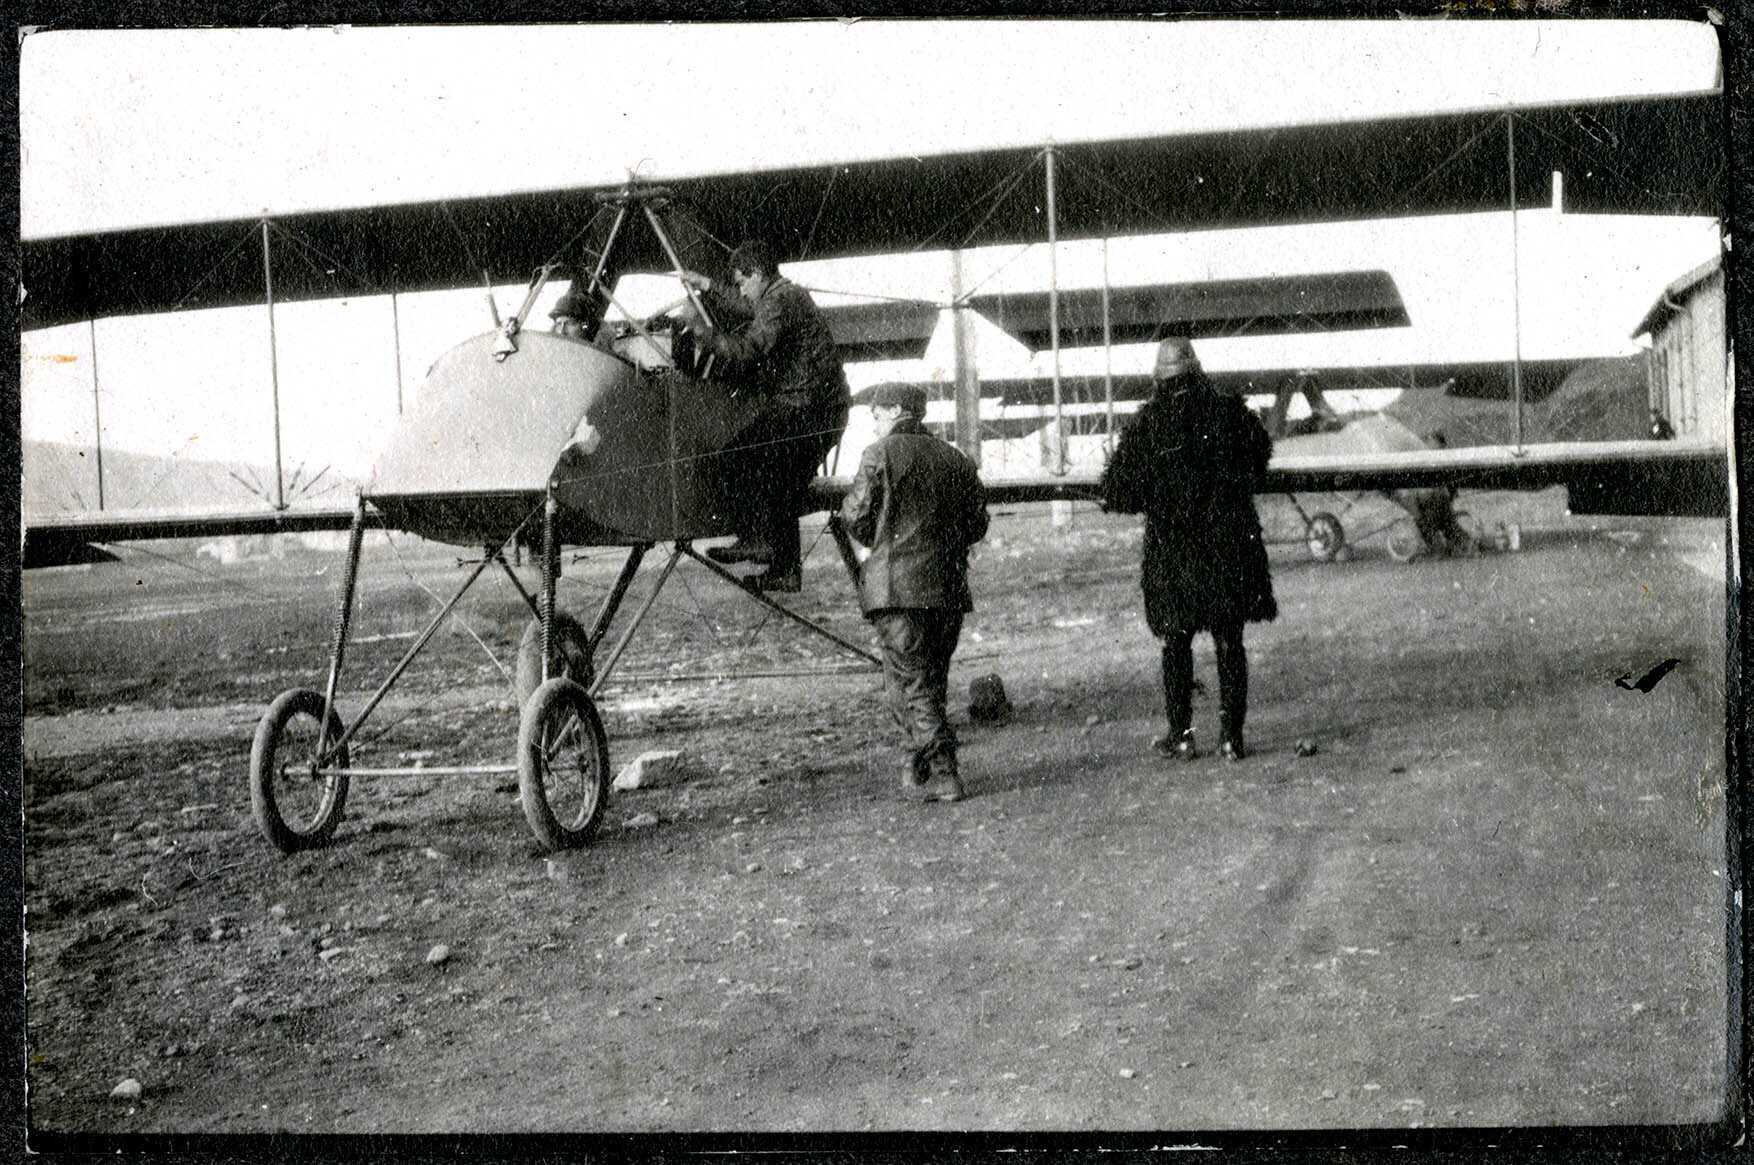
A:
(654, 345)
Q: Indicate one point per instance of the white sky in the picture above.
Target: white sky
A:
(129, 128)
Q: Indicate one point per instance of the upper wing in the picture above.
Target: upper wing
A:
(1662, 155)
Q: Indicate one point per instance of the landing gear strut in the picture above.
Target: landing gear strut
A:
(301, 764)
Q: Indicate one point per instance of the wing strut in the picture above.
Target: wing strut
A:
(1108, 347)
(1054, 312)
(273, 368)
(968, 376)
(97, 415)
(1516, 291)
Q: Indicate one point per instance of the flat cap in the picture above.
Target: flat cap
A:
(910, 397)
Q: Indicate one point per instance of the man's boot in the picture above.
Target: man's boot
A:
(1179, 745)
(943, 783)
(779, 578)
(742, 550)
(1230, 746)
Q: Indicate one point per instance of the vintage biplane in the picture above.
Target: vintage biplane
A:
(522, 436)
(1460, 404)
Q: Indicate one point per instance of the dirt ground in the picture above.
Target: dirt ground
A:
(1493, 896)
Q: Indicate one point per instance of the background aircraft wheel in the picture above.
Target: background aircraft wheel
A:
(573, 648)
(1405, 544)
(1326, 536)
(563, 765)
(1469, 525)
(295, 806)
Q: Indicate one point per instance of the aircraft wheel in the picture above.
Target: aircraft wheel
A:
(1405, 544)
(1326, 536)
(563, 765)
(1470, 525)
(296, 807)
(573, 651)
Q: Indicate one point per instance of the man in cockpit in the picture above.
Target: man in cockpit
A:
(770, 337)
(571, 315)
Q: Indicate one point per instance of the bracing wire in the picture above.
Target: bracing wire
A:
(248, 236)
(209, 576)
(461, 622)
(1006, 182)
(304, 244)
(821, 206)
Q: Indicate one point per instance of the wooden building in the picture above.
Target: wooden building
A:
(1689, 358)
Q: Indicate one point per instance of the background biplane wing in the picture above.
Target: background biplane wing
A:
(885, 330)
(1266, 305)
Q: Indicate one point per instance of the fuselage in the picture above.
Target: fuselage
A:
(634, 450)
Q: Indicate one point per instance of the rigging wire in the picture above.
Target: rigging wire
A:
(208, 576)
(681, 212)
(460, 621)
(1022, 250)
(174, 465)
(1490, 127)
(999, 200)
(301, 244)
(559, 254)
(249, 236)
(1595, 158)
(833, 177)
(468, 250)
(647, 467)
(1007, 181)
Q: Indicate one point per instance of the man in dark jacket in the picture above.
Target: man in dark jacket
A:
(1189, 462)
(771, 336)
(918, 504)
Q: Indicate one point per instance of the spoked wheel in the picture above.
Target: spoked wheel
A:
(572, 650)
(563, 765)
(297, 806)
(1326, 536)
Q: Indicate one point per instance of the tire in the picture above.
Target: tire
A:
(1469, 525)
(281, 775)
(572, 647)
(1405, 544)
(1326, 537)
(563, 763)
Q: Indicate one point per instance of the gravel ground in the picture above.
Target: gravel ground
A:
(1493, 894)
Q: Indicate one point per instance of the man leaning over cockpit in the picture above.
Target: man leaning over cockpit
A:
(772, 337)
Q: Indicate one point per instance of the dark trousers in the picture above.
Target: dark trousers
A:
(1233, 680)
(783, 449)
(917, 646)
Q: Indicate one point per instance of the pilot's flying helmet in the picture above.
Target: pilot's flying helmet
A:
(575, 304)
(1175, 356)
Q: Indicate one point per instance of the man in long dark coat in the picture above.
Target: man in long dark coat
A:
(918, 504)
(1189, 462)
(774, 339)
